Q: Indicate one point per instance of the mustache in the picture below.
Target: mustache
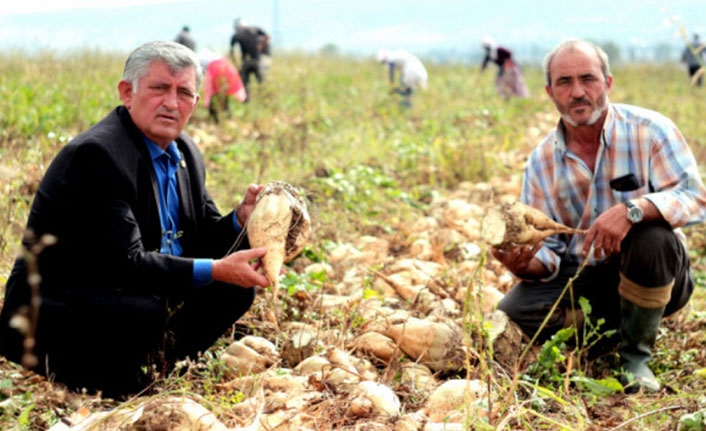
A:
(162, 110)
(579, 102)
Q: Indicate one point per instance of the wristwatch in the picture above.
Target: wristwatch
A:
(634, 212)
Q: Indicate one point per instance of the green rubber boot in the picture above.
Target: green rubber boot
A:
(638, 331)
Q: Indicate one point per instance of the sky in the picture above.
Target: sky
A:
(359, 27)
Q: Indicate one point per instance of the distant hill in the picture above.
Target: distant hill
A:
(439, 31)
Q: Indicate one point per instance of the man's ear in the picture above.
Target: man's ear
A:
(125, 91)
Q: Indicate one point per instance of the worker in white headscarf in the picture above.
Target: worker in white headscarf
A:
(412, 73)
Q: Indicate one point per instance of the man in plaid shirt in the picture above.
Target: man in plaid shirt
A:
(627, 175)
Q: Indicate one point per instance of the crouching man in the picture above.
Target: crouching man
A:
(626, 175)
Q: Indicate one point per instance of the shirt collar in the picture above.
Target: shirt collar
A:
(608, 126)
(559, 141)
(606, 131)
(155, 151)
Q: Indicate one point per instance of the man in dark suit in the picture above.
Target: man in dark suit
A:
(136, 267)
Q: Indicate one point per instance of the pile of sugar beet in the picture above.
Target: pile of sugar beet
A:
(401, 335)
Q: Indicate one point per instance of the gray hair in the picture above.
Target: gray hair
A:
(175, 55)
(571, 44)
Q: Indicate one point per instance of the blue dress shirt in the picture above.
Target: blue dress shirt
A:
(165, 165)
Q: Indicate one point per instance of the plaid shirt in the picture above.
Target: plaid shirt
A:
(634, 140)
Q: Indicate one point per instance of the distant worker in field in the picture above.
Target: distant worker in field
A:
(221, 82)
(140, 273)
(694, 57)
(412, 73)
(509, 81)
(254, 44)
(184, 37)
(626, 175)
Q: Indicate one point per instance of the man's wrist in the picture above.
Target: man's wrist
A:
(635, 212)
(538, 271)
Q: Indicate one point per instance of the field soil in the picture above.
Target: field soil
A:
(339, 356)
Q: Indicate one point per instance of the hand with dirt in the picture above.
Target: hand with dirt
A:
(245, 207)
(520, 260)
(237, 268)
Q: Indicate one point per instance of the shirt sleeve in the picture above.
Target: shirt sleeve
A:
(203, 269)
(534, 196)
(236, 225)
(678, 191)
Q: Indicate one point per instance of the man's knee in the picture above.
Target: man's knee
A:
(527, 312)
(509, 306)
(651, 235)
(653, 255)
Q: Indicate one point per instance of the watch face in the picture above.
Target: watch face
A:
(634, 214)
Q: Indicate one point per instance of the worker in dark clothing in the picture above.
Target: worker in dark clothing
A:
(509, 81)
(254, 46)
(693, 56)
(184, 37)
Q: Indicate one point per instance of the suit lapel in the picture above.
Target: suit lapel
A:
(187, 204)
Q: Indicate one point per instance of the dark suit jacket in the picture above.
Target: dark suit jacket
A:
(98, 197)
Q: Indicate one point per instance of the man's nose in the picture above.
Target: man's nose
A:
(577, 90)
(171, 99)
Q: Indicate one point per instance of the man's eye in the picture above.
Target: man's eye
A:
(186, 97)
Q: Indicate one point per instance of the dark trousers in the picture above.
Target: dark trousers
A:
(218, 103)
(406, 93)
(103, 342)
(250, 66)
(651, 256)
(692, 72)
